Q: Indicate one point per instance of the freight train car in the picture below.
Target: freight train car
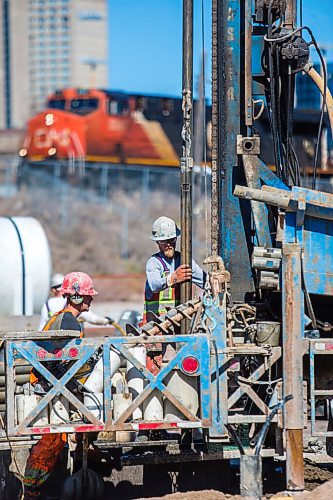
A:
(104, 126)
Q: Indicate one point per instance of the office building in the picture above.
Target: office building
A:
(46, 45)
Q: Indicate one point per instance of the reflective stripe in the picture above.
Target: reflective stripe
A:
(160, 301)
(169, 297)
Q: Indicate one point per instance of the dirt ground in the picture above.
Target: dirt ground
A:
(200, 495)
(323, 492)
(318, 479)
(315, 475)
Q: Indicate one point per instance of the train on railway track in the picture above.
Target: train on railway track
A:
(103, 126)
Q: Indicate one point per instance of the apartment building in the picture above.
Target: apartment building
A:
(46, 45)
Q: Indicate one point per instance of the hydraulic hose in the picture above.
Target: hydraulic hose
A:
(119, 328)
(319, 81)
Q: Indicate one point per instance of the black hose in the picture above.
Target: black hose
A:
(92, 396)
(236, 438)
(278, 110)
(276, 40)
(218, 417)
(263, 432)
(271, 49)
(289, 125)
(60, 417)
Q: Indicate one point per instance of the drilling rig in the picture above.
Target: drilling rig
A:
(250, 362)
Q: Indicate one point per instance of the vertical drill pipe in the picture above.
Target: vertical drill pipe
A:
(293, 363)
(248, 63)
(186, 160)
(215, 180)
(291, 13)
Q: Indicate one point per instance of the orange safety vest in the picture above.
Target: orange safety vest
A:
(54, 322)
(160, 301)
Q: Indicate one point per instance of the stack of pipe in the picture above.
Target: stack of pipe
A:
(22, 370)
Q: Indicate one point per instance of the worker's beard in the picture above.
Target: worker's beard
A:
(169, 252)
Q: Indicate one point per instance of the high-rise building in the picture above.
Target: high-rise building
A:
(46, 45)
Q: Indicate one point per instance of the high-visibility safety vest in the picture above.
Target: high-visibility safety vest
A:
(54, 323)
(159, 301)
(49, 313)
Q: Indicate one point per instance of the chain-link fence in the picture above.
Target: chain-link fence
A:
(99, 216)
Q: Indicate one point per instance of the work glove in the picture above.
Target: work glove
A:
(111, 321)
(181, 274)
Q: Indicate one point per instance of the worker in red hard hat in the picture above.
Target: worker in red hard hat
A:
(78, 289)
(57, 302)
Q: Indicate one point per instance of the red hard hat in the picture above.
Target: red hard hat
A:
(77, 283)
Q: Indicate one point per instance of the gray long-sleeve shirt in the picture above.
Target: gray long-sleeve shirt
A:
(155, 272)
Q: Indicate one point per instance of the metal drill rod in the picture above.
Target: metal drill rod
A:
(215, 181)
(186, 162)
(173, 318)
(291, 14)
(278, 198)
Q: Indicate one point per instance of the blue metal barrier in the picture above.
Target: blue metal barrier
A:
(79, 351)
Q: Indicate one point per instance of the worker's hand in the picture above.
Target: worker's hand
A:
(111, 321)
(181, 274)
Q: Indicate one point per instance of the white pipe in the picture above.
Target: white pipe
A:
(135, 378)
(95, 381)
(153, 407)
(185, 388)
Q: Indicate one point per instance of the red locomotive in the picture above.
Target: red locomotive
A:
(104, 126)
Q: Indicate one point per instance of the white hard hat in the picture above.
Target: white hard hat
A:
(164, 229)
(57, 280)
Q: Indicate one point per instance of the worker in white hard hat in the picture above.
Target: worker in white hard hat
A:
(57, 302)
(164, 272)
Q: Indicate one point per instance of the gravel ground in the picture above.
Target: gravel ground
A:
(200, 495)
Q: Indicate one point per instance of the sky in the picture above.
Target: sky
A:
(145, 42)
